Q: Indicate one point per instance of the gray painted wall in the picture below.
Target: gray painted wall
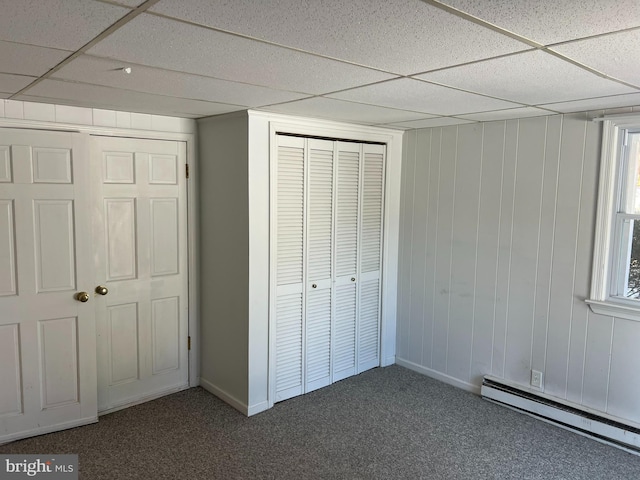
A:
(497, 228)
(224, 247)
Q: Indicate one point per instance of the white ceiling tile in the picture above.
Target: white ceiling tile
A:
(173, 45)
(400, 36)
(432, 122)
(344, 111)
(550, 21)
(64, 24)
(523, 112)
(27, 59)
(409, 94)
(57, 91)
(596, 103)
(14, 83)
(615, 55)
(532, 78)
(100, 71)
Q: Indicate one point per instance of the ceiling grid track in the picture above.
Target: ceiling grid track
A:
(123, 21)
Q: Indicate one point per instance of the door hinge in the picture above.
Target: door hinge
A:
(187, 169)
(625, 141)
(189, 343)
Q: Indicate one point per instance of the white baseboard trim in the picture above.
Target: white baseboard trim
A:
(225, 397)
(388, 361)
(443, 377)
(42, 430)
(257, 408)
(130, 402)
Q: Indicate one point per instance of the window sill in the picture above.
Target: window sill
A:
(614, 309)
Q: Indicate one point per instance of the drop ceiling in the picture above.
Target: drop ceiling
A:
(399, 63)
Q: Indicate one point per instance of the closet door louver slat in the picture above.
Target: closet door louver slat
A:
(346, 260)
(319, 268)
(344, 345)
(370, 258)
(289, 322)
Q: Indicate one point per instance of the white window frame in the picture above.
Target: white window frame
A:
(607, 253)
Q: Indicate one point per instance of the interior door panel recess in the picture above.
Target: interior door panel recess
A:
(327, 237)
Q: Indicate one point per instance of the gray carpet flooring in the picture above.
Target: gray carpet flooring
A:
(387, 423)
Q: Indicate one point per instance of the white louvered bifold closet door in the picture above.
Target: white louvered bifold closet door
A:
(319, 264)
(326, 234)
(288, 227)
(370, 268)
(346, 258)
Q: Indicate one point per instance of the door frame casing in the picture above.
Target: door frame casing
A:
(192, 208)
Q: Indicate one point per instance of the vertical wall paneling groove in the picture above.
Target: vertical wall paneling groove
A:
(463, 253)
(407, 251)
(561, 299)
(414, 351)
(443, 257)
(475, 265)
(430, 270)
(523, 260)
(582, 274)
(402, 240)
(504, 248)
(503, 281)
(425, 275)
(546, 241)
(624, 389)
(453, 211)
(487, 248)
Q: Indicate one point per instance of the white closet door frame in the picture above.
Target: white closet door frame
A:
(193, 213)
(392, 139)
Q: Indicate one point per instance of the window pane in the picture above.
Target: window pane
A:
(633, 277)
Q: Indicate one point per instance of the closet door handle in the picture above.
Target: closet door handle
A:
(353, 279)
(314, 286)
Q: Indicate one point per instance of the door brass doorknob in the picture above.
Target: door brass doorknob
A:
(102, 290)
(82, 297)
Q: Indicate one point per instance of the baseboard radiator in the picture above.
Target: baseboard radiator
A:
(586, 423)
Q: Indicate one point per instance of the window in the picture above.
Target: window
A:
(615, 287)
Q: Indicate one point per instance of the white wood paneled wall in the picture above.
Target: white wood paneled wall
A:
(496, 238)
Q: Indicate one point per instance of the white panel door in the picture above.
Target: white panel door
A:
(287, 225)
(140, 237)
(47, 335)
(319, 246)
